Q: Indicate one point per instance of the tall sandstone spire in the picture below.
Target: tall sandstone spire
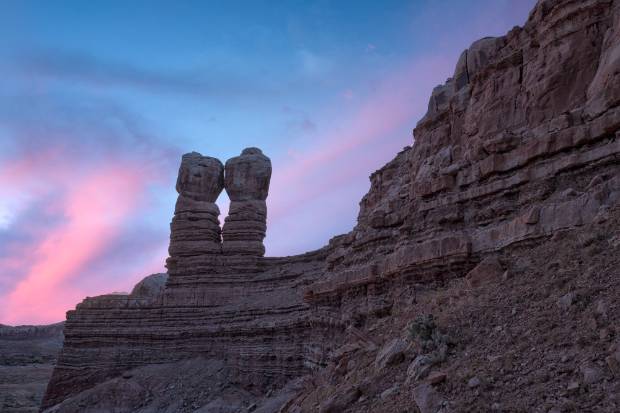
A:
(247, 185)
(195, 234)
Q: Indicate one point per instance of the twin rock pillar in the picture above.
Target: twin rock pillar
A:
(197, 243)
(246, 181)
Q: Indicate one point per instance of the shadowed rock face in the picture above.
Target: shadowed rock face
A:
(519, 149)
(201, 178)
(247, 176)
(196, 245)
(195, 228)
(247, 184)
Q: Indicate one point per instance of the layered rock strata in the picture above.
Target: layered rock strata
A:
(514, 148)
(520, 145)
(222, 299)
(195, 233)
(247, 185)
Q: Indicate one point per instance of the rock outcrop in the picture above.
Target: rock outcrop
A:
(506, 154)
(519, 150)
(247, 185)
(195, 233)
(221, 299)
(151, 286)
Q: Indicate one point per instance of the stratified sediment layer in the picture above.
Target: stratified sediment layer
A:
(195, 232)
(247, 185)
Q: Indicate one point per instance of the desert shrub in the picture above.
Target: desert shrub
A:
(426, 335)
(422, 327)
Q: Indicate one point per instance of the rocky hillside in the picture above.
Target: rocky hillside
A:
(27, 357)
(482, 274)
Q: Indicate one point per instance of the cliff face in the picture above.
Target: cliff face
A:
(516, 161)
(507, 153)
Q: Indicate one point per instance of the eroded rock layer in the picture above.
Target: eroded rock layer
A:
(247, 185)
(520, 145)
(195, 233)
(515, 147)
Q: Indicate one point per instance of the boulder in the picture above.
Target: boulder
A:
(419, 367)
(391, 353)
(428, 399)
(340, 400)
(150, 286)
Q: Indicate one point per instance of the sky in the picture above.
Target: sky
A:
(99, 100)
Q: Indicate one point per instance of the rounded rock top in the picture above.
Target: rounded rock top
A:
(251, 151)
(200, 177)
(247, 176)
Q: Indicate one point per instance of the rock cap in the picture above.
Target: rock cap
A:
(247, 176)
(200, 177)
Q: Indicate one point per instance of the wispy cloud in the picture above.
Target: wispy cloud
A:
(314, 65)
(77, 182)
(92, 220)
(89, 70)
(87, 184)
(399, 101)
(368, 136)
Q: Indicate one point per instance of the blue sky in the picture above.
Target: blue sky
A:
(100, 99)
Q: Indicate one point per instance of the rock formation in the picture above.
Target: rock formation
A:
(195, 234)
(247, 185)
(517, 160)
(150, 287)
(221, 300)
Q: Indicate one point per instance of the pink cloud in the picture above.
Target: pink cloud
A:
(401, 99)
(94, 209)
(354, 148)
(54, 270)
(23, 170)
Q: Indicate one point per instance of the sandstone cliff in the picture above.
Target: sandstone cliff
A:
(502, 221)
